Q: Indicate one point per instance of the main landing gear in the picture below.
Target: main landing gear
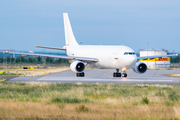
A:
(80, 74)
(117, 74)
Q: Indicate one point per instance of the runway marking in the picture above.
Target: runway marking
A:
(108, 72)
(150, 80)
(107, 80)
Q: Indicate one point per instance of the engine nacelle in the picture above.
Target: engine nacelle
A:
(140, 67)
(77, 66)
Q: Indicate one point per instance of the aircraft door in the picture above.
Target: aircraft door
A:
(116, 60)
(116, 56)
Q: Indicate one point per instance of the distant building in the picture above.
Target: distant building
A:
(157, 62)
(7, 50)
(6, 55)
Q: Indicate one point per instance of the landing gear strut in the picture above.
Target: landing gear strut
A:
(80, 74)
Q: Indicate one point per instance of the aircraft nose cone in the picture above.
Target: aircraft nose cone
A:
(130, 60)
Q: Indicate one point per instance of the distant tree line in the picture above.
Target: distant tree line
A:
(175, 59)
(39, 60)
(32, 60)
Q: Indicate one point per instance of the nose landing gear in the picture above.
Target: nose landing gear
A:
(124, 75)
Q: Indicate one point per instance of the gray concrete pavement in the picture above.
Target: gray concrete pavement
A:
(105, 76)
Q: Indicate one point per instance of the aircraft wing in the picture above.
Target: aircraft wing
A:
(51, 48)
(157, 56)
(85, 59)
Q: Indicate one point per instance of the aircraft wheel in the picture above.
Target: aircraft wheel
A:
(116, 74)
(124, 75)
(77, 74)
(80, 74)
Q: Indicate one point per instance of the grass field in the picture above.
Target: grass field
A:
(172, 75)
(89, 101)
(38, 71)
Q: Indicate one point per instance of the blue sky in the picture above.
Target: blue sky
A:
(134, 23)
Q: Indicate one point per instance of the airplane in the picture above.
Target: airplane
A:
(97, 56)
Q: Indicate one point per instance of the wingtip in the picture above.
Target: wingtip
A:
(37, 46)
(5, 51)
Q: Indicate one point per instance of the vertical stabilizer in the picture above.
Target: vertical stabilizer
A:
(69, 36)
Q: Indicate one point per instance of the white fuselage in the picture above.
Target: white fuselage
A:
(108, 56)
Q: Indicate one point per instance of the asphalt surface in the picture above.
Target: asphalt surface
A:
(105, 76)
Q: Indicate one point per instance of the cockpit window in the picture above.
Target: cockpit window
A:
(129, 53)
(126, 53)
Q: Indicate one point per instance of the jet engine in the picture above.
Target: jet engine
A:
(139, 67)
(77, 66)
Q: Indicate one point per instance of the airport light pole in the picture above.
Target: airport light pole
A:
(10, 60)
(147, 54)
(178, 60)
(20, 60)
(6, 62)
(44, 59)
(173, 59)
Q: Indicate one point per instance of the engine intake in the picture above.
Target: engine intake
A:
(77, 66)
(139, 67)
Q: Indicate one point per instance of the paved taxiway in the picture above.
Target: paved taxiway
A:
(105, 76)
